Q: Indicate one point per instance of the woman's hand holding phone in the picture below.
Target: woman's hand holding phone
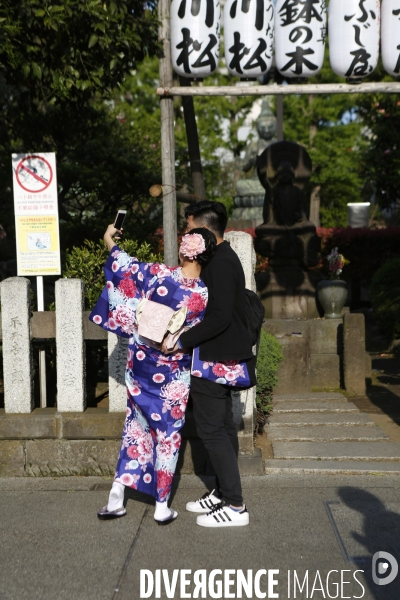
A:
(114, 229)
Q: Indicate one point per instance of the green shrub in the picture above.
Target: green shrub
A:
(268, 358)
(385, 296)
(87, 262)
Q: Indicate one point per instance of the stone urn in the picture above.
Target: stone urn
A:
(332, 295)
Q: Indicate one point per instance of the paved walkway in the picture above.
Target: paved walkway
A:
(53, 547)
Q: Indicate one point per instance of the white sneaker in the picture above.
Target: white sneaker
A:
(204, 504)
(224, 516)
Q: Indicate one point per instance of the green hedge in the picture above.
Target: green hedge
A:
(385, 296)
(87, 262)
(268, 358)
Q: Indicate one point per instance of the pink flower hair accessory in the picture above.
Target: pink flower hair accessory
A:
(192, 245)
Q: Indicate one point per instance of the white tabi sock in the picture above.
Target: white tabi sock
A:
(162, 512)
(116, 498)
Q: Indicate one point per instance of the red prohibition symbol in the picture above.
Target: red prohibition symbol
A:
(34, 171)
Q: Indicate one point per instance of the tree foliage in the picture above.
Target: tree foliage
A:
(58, 91)
(86, 262)
(329, 128)
(381, 158)
(385, 296)
(70, 48)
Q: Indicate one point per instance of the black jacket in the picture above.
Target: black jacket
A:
(223, 333)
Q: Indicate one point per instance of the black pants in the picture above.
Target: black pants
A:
(212, 407)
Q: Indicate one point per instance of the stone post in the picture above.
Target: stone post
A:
(17, 349)
(71, 356)
(354, 353)
(242, 244)
(244, 403)
(117, 351)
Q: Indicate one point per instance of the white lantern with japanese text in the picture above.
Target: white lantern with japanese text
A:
(300, 32)
(195, 32)
(390, 37)
(248, 37)
(354, 37)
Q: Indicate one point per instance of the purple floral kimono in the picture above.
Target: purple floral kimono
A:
(157, 384)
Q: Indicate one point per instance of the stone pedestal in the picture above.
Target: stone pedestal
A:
(17, 351)
(288, 292)
(248, 211)
(71, 357)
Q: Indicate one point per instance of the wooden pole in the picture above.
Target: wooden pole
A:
(192, 137)
(167, 138)
(391, 87)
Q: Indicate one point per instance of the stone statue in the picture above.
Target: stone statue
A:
(286, 236)
(266, 130)
(250, 193)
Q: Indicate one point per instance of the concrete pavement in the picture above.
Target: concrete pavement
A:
(53, 547)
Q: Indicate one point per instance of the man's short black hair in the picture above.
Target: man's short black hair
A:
(209, 214)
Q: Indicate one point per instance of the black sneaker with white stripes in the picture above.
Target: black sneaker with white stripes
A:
(224, 516)
(204, 504)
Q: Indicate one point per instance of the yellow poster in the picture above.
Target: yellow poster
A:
(38, 245)
(36, 214)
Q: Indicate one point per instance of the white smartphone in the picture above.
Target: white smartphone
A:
(119, 219)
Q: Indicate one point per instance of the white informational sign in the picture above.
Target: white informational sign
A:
(36, 214)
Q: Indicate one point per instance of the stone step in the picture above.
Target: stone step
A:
(337, 450)
(316, 433)
(327, 467)
(288, 406)
(312, 418)
(311, 397)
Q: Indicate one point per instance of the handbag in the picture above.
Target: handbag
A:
(234, 373)
(157, 321)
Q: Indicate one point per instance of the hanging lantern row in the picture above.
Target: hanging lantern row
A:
(297, 29)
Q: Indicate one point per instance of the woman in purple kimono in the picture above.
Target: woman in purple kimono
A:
(157, 384)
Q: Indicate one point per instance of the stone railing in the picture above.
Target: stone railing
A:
(70, 328)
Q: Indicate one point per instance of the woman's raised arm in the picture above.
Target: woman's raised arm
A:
(111, 231)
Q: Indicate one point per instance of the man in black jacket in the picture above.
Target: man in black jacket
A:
(222, 335)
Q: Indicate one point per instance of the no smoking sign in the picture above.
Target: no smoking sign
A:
(34, 174)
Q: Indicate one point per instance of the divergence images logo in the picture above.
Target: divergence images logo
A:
(385, 564)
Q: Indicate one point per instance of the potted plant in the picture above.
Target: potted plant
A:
(332, 293)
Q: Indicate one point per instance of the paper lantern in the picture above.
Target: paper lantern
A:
(300, 32)
(248, 37)
(195, 32)
(354, 37)
(390, 38)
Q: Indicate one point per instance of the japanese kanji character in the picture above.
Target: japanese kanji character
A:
(298, 59)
